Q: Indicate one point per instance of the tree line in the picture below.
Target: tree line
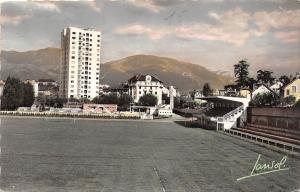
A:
(16, 94)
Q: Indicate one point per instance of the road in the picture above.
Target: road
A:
(60, 155)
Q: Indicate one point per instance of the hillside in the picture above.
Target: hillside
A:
(44, 63)
(185, 76)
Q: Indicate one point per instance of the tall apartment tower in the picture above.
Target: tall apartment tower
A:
(80, 67)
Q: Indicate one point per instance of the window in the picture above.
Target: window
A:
(287, 92)
(73, 32)
(73, 37)
(294, 89)
(73, 57)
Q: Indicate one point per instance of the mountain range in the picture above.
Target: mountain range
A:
(44, 63)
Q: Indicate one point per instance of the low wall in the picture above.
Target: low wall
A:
(286, 118)
(73, 115)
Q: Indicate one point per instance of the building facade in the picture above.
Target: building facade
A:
(140, 85)
(80, 69)
(293, 89)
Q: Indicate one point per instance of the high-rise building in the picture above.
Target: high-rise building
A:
(80, 69)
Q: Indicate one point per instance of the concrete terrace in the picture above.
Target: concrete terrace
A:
(39, 154)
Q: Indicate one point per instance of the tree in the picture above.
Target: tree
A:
(265, 77)
(297, 105)
(55, 102)
(265, 100)
(250, 83)
(13, 94)
(148, 100)
(106, 99)
(124, 102)
(192, 94)
(241, 72)
(206, 90)
(288, 101)
(284, 79)
(28, 97)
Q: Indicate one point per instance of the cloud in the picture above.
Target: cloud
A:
(148, 4)
(95, 6)
(15, 20)
(277, 19)
(231, 27)
(36, 5)
(46, 5)
(152, 32)
(288, 37)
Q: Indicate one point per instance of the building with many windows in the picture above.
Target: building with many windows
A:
(80, 69)
(140, 85)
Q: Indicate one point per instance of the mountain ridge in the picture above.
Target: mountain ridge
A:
(44, 63)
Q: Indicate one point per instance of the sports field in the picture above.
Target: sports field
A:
(40, 154)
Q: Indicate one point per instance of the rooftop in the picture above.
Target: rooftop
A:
(140, 77)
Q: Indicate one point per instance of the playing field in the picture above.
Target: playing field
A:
(40, 154)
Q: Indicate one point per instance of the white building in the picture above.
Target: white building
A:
(140, 85)
(80, 69)
(276, 86)
(262, 89)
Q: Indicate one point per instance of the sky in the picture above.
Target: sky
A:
(213, 33)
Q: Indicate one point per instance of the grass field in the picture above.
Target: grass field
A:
(40, 154)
